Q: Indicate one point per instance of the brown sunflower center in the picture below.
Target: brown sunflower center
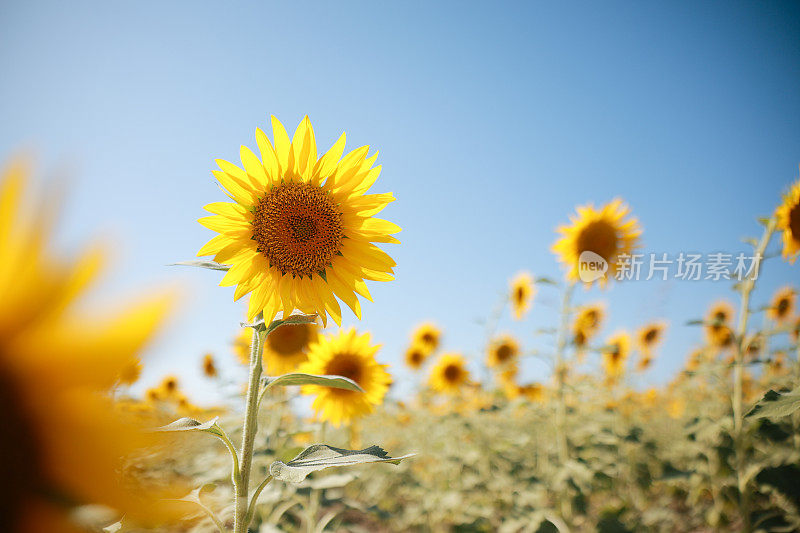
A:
(650, 336)
(519, 295)
(782, 307)
(794, 221)
(347, 365)
(452, 373)
(504, 353)
(599, 237)
(289, 339)
(428, 338)
(298, 228)
(415, 357)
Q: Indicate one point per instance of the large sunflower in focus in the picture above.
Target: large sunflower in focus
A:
(285, 349)
(450, 374)
(608, 232)
(788, 221)
(522, 291)
(62, 442)
(300, 229)
(352, 356)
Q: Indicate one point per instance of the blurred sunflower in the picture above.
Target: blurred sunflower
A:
(753, 346)
(589, 319)
(650, 336)
(615, 354)
(131, 373)
(502, 350)
(606, 232)
(523, 290)
(209, 366)
(169, 387)
(533, 392)
(300, 229)
(427, 337)
(286, 348)
(449, 374)
(695, 360)
(241, 345)
(794, 332)
(415, 356)
(788, 221)
(718, 327)
(352, 356)
(63, 441)
(783, 304)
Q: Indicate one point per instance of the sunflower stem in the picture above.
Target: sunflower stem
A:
(249, 432)
(738, 377)
(560, 375)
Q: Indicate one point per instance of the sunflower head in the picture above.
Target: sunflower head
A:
(209, 366)
(449, 375)
(608, 232)
(615, 354)
(169, 386)
(782, 305)
(522, 291)
(286, 348)
(718, 327)
(352, 356)
(650, 336)
(299, 231)
(131, 373)
(533, 392)
(415, 356)
(502, 351)
(241, 345)
(695, 359)
(787, 218)
(427, 336)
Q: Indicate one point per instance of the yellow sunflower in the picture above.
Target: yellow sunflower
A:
(783, 304)
(615, 354)
(300, 229)
(415, 356)
(169, 387)
(589, 318)
(522, 291)
(352, 356)
(502, 350)
(286, 348)
(209, 366)
(533, 392)
(788, 221)
(606, 232)
(449, 374)
(794, 332)
(131, 373)
(650, 336)
(719, 326)
(241, 345)
(427, 337)
(63, 442)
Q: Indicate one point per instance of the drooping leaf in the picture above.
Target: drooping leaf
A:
(298, 378)
(776, 404)
(211, 265)
(320, 456)
(189, 424)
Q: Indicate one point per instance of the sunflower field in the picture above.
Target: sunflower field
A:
(327, 403)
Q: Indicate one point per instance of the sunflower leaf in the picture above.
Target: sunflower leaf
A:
(190, 424)
(211, 265)
(298, 378)
(776, 404)
(320, 456)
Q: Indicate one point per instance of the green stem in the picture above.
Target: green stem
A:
(249, 434)
(256, 493)
(560, 372)
(738, 376)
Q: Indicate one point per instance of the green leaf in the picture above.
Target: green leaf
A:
(298, 378)
(211, 265)
(545, 280)
(189, 424)
(275, 324)
(320, 456)
(776, 404)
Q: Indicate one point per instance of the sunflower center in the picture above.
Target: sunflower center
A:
(599, 237)
(650, 336)
(289, 339)
(452, 373)
(415, 357)
(428, 338)
(782, 307)
(504, 353)
(794, 221)
(298, 228)
(347, 365)
(520, 295)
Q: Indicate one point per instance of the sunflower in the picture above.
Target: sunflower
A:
(753, 346)
(241, 345)
(449, 374)
(615, 354)
(695, 359)
(285, 349)
(63, 441)
(427, 337)
(169, 387)
(415, 356)
(533, 392)
(718, 325)
(589, 319)
(209, 366)
(352, 356)
(783, 303)
(300, 229)
(794, 332)
(606, 232)
(788, 221)
(522, 292)
(131, 373)
(650, 335)
(502, 350)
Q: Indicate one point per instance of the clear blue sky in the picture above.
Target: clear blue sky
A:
(493, 121)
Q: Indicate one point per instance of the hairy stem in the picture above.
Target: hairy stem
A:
(560, 374)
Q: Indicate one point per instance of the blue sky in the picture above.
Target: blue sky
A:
(493, 121)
